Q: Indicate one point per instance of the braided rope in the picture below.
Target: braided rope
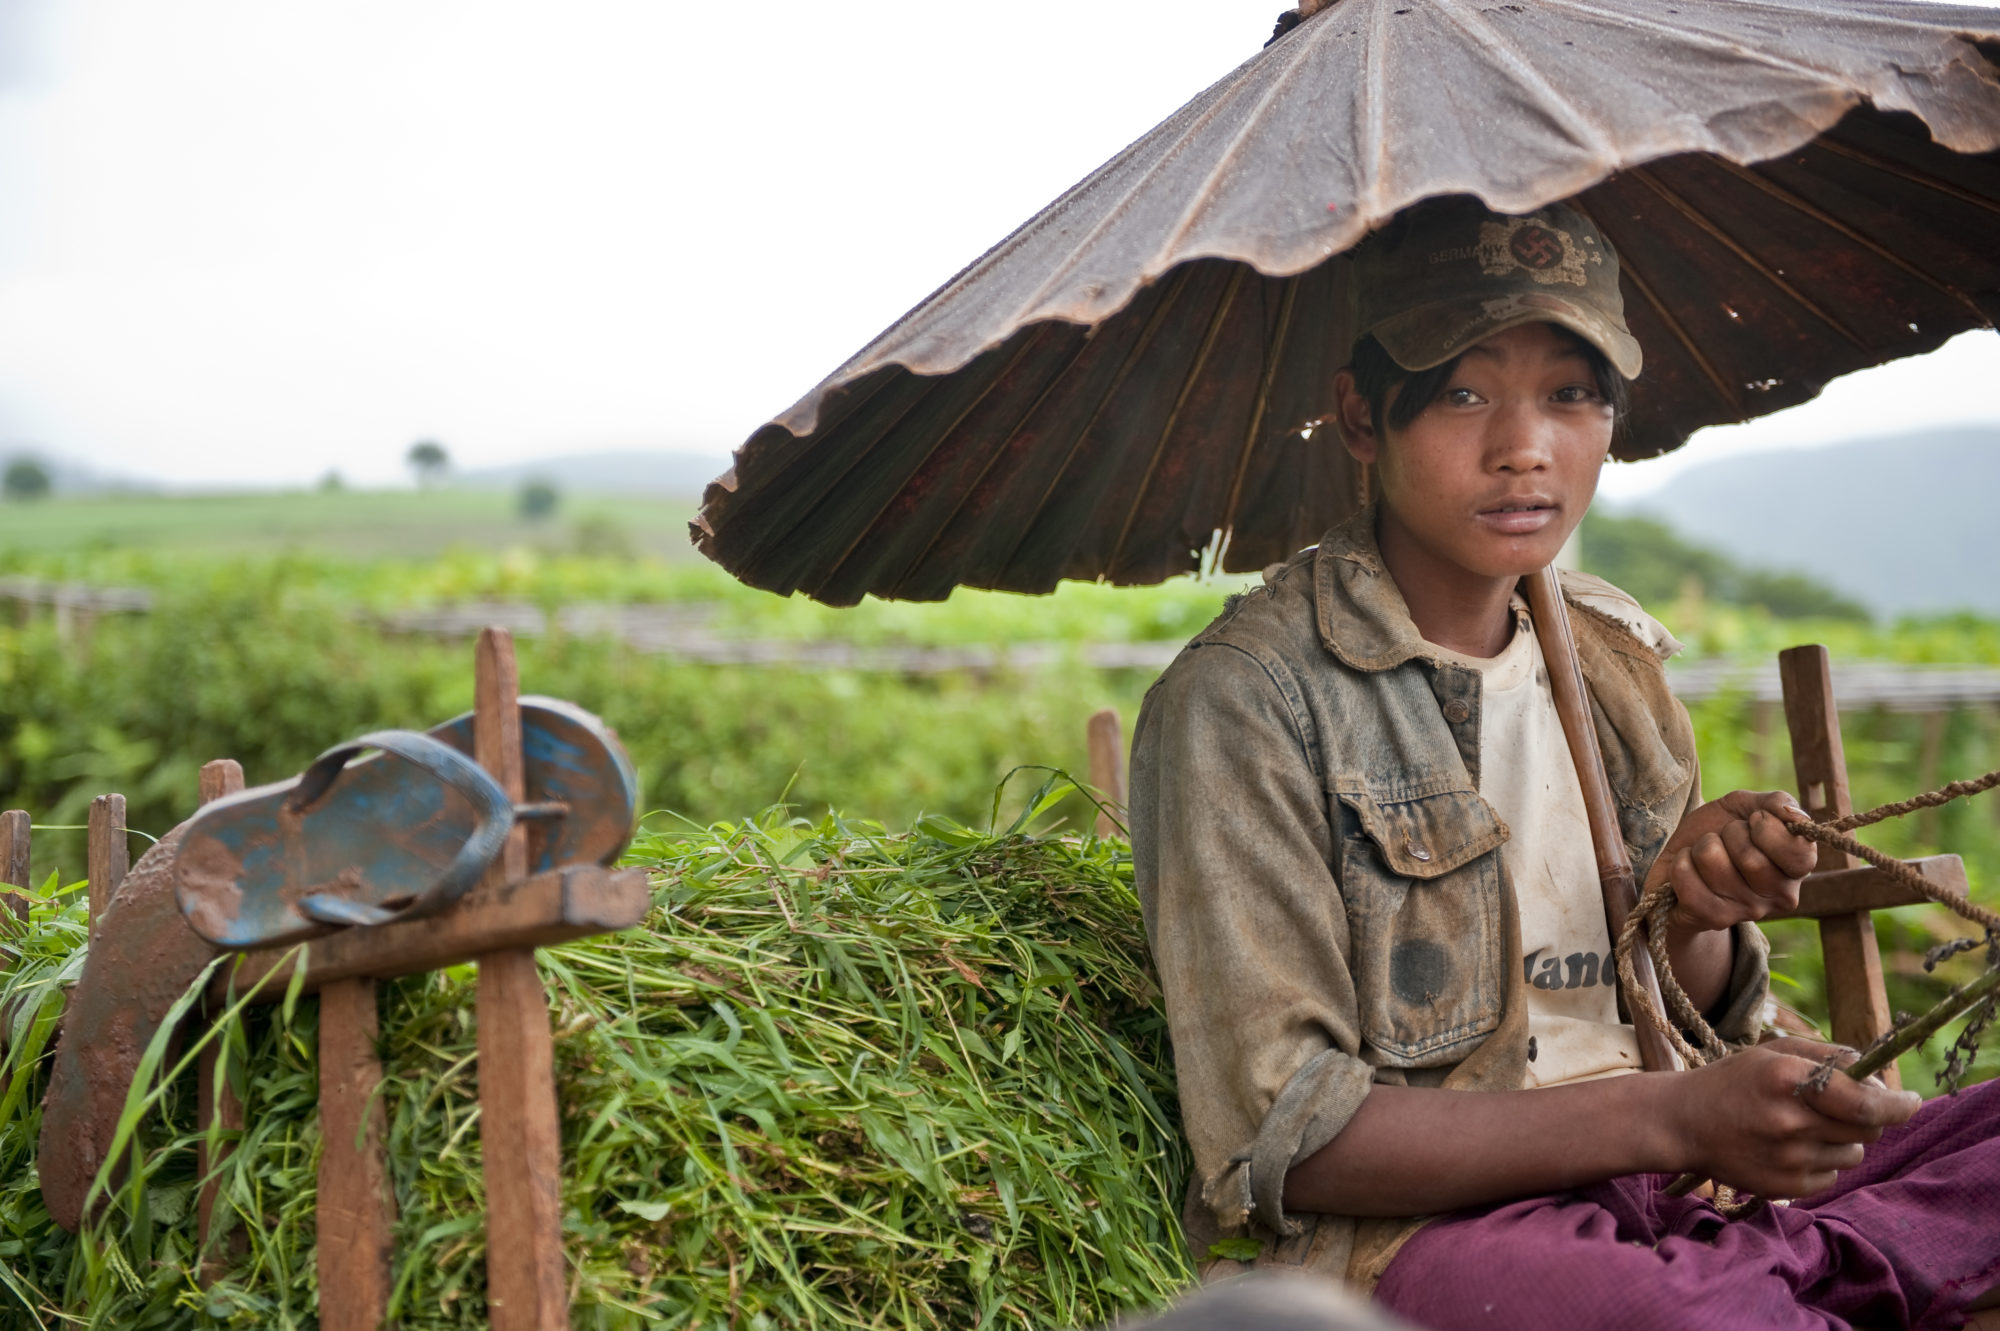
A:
(1656, 906)
(1827, 834)
(1930, 799)
(1654, 909)
(1651, 915)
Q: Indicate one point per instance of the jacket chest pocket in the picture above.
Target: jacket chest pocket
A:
(1422, 890)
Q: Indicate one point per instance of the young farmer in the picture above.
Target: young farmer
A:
(1370, 889)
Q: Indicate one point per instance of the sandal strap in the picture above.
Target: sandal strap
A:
(491, 807)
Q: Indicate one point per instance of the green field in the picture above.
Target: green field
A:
(271, 637)
(408, 524)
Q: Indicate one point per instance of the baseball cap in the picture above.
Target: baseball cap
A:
(1449, 272)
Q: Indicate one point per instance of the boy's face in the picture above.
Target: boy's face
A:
(1493, 476)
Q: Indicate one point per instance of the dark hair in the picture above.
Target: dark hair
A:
(1376, 372)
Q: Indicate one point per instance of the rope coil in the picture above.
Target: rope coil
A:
(1656, 906)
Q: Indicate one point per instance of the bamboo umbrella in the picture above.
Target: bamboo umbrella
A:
(1797, 189)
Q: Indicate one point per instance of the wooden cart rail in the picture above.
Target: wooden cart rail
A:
(497, 926)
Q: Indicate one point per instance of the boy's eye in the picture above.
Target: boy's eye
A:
(1576, 393)
(1460, 397)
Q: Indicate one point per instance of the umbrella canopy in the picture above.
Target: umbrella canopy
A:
(1796, 188)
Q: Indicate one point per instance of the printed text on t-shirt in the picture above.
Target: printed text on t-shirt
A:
(1578, 970)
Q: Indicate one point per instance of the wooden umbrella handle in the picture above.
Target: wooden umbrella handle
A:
(1614, 866)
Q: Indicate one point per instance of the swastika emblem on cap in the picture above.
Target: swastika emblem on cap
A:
(1535, 248)
(1545, 253)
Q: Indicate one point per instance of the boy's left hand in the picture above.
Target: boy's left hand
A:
(1732, 860)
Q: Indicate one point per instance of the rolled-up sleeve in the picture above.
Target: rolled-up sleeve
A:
(1741, 1019)
(1233, 859)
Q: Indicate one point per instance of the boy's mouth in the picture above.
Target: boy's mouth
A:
(1519, 517)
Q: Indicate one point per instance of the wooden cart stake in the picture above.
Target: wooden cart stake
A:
(109, 855)
(14, 836)
(1107, 765)
(224, 776)
(518, 1125)
(356, 1203)
(1859, 1011)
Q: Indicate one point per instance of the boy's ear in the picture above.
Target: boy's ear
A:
(1357, 423)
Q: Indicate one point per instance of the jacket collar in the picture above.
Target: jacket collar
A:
(1362, 616)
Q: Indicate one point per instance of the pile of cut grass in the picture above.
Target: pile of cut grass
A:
(838, 1078)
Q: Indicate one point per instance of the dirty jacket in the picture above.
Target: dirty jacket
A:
(1326, 894)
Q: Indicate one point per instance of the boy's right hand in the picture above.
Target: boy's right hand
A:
(1744, 1120)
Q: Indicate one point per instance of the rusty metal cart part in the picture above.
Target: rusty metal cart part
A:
(142, 958)
(1796, 190)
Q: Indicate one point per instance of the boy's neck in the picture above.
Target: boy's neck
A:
(1452, 607)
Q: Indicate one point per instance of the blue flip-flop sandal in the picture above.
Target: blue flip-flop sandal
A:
(399, 834)
(582, 791)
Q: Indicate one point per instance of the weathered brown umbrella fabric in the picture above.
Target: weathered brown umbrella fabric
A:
(1797, 190)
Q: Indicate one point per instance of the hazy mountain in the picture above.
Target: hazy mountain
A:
(632, 473)
(1906, 524)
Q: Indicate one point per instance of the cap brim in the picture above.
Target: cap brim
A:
(1432, 334)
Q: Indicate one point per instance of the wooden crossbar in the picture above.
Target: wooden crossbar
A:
(575, 901)
(1839, 892)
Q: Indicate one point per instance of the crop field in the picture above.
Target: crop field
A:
(927, 1175)
(412, 524)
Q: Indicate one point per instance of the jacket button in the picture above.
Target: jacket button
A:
(1457, 711)
(1417, 852)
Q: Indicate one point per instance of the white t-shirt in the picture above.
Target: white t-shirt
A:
(1526, 774)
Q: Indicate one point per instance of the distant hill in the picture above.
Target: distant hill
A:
(1908, 524)
(659, 474)
(1649, 559)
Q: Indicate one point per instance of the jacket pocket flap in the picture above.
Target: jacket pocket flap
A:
(1428, 835)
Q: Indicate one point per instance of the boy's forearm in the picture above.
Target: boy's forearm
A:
(1417, 1151)
(1703, 961)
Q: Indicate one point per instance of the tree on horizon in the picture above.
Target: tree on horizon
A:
(537, 499)
(25, 479)
(428, 460)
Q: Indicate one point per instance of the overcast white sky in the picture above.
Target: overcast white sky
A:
(246, 241)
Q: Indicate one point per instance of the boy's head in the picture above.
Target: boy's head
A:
(1490, 368)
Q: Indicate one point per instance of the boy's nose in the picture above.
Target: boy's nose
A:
(1521, 439)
